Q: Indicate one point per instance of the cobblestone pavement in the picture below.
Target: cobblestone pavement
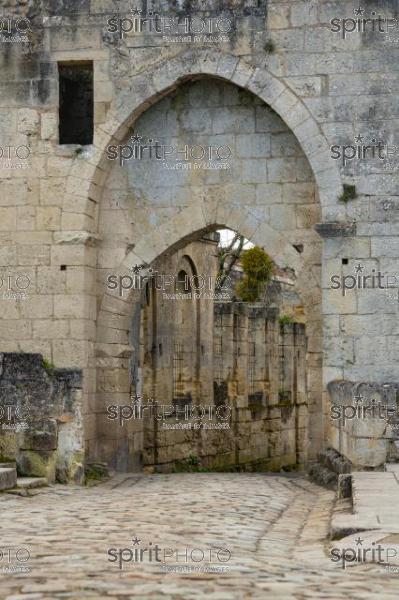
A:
(275, 528)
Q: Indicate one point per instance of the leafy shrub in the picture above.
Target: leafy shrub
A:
(258, 267)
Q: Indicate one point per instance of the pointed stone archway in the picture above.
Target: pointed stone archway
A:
(85, 184)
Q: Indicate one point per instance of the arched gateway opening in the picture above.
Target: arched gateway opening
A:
(207, 157)
(220, 381)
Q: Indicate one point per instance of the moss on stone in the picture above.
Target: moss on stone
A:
(94, 473)
(36, 464)
(349, 193)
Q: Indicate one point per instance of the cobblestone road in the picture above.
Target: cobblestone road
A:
(275, 528)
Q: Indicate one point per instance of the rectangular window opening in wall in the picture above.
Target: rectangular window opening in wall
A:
(76, 103)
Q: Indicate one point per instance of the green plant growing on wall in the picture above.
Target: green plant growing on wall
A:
(95, 473)
(285, 320)
(269, 47)
(283, 396)
(189, 465)
(48, 365)
(348, 194)
(258, 268)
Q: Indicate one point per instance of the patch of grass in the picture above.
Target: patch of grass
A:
(94, 473)
(189, 465)
(285, 320)
(348, 194)
(269, 47)
(48, 365)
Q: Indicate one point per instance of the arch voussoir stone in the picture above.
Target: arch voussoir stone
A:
(226, 66)
(243, 74)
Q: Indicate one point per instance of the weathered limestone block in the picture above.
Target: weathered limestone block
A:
(42, 405)
(42, 436)
(363, 417)
(8, 478)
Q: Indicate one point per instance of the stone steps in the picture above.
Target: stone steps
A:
(29, 483)
(10, 482)
(8, 477)
(27, 486)
(328, 468)
(375, 496)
